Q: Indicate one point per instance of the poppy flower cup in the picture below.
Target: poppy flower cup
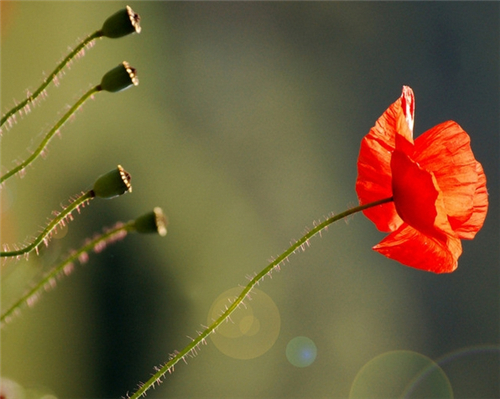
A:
(438, 188)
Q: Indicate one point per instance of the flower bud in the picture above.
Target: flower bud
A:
(122, 23)
(119, 78)
(152, 222)
(112, 184)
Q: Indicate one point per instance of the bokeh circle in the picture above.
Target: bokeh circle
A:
(253, 328)
(301, 351)
(401, 374)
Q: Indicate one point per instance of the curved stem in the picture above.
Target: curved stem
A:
(51, 77)
(45, 234)
(49, 135)
(96, 244)
(201, 338)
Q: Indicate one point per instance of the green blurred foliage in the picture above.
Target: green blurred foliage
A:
(245, 128)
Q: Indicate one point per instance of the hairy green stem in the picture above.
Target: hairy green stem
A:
(49, 135)
(45, 234)
(51, 77)
(65, 267)
(201, 338)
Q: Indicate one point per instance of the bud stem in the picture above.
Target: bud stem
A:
(49, 135)
(45, 234)
(51, 77)
(111, 235)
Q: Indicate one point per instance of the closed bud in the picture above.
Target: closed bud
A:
(112, 184)
(152, 222)
(119, 78)
(122, 23)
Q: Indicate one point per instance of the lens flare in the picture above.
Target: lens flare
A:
(252, 329)
(391, 374)
(301, 351)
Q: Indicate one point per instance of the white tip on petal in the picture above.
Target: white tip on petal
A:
(408, 104)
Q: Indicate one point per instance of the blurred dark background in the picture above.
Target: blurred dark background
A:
(245, 128)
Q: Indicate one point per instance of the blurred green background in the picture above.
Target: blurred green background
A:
(245, 128)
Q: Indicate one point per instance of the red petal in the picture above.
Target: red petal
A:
(375, 182)
(412, 248)
(417, 197)
(374, 169)
(480, 207)
(445, 151)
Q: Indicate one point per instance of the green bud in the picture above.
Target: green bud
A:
(152, 222)
(112, 184)
(122, 23)
(119, 78)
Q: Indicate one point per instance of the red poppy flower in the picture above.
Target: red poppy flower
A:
(438, 188)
